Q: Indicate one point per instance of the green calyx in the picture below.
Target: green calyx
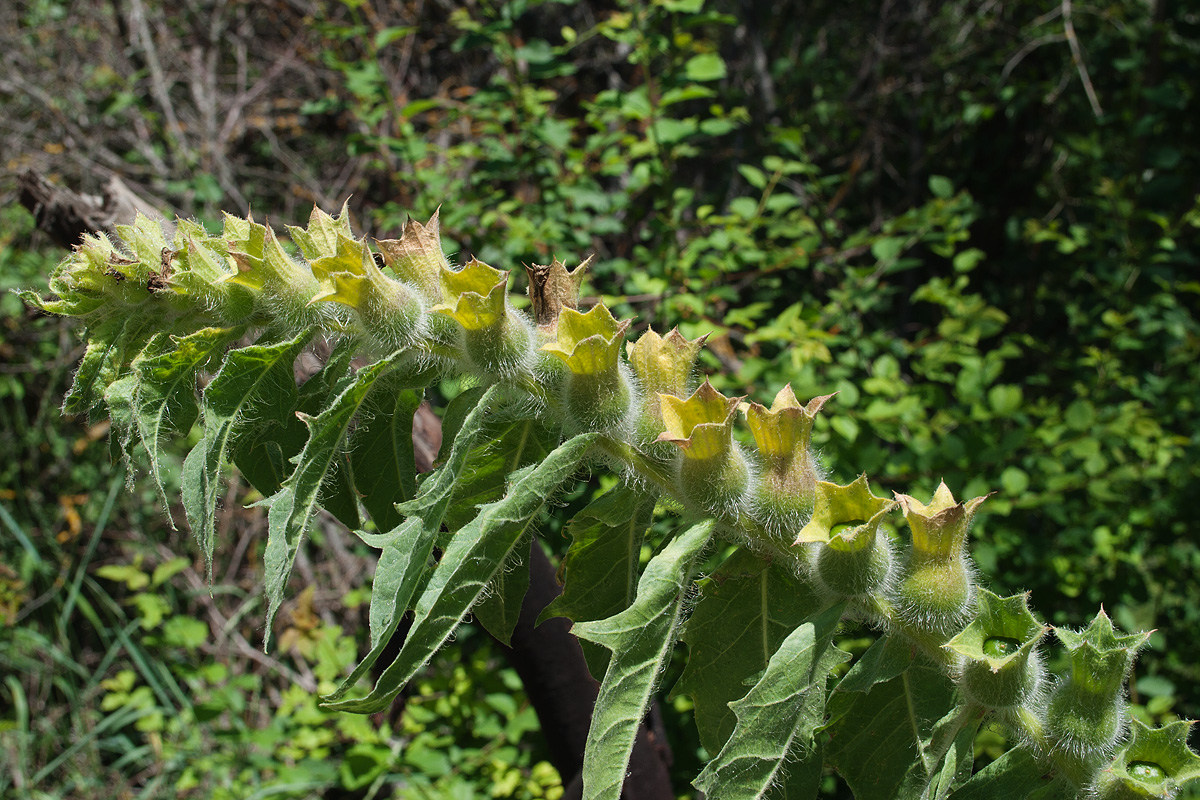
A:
(936, 590)
(1157, 762)
(713, 470)
(596, 392)
(495, 338)
(999, 666)
(188, 277)
(855, 558)
(790, 472)
(663, 365)
(1086, 713)
(1100, 657)
(939, 529)
(390, 311)
(281, 286)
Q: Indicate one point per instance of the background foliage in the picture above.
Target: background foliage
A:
(985, 243)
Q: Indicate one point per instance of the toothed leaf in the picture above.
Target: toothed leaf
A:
(471, 561)
(166, 390)
(777, 718)
(746, 609)
(641, 639)
(254, 388)
(600, 570)
(293, 506)
(406, 549)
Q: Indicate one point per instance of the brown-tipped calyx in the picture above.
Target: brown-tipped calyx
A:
(552, 287)
(417, 257)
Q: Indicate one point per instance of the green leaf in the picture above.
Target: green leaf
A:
(947, 755)
(165, 401)
(891, 722)
(499, 609)
(600, 570)
(294, 505)
(888, 248)
(641, 639)
(266, 454)
(705, 67)
(381, 450)
(940, 186)
(471, 562)
(746, 609)
(406, 549)
(255, 388)
(599, 573)
(120, 397)
(96, 370)
(1016, 775)
(1005, 399)
(777, 718)
(508, 446)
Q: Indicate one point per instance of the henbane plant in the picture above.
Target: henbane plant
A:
(790, 558)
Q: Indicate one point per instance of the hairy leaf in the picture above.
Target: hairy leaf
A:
(641, 639)
(472, 560)
(293, 506)
(885, 659)
(777, 718)
(96, 370)
(946, 756)
(255, 387)
(165, 401)
(498, 610)
(1016, 775)
(406, 549)
(509, 446)
(892, 722)
(746, 609)
(381, 450)
(599, 573)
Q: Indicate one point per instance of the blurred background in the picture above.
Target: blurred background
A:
(975, 220)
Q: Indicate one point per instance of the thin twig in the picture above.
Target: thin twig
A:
(1077, 57)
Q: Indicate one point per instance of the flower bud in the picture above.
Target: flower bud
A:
(281, 285)
(1157, 762)
(713, 471)
(496, 338)
(597, 392)
(417, 257)
(1000, 667)
(790, 472)
(855, 557)
(390, 311)
(1087, 713)
(936, 590)
(663, 365)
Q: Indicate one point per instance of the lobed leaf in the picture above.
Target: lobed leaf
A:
(255, 387)
(471, 562)
(777, 718)
(641, 639)
(746, 609)
(293, 506)
(406, 549)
